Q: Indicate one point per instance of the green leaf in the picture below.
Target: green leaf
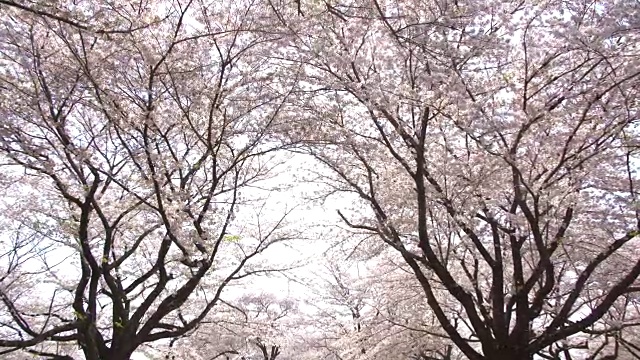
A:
(79, 316)
(231, 238)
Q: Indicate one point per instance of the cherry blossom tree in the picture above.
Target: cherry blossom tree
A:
(133, 163)
(494, 146)
(100, 18)
(489, 150)
(255, 326)
(366, 306)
